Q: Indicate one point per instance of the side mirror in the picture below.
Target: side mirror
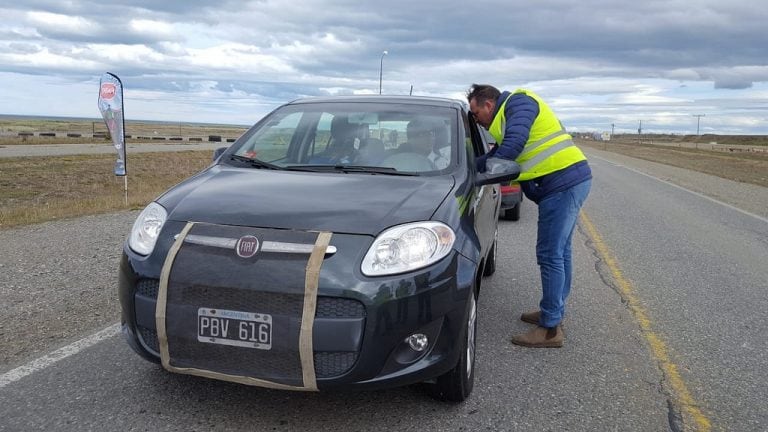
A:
(218, 152)
(502, 177)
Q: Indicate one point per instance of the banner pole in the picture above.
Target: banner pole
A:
(125, 177)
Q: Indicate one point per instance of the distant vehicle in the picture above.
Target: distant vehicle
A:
(511, 200)
(511, 193)
(601, 136)
(340, 243)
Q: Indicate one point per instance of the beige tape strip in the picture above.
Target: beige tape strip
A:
(306, 353)
(162, 296)
(311, 281)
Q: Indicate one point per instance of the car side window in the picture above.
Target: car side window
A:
(479, 146)
(488, 140)
(322, 135)
(271, 142)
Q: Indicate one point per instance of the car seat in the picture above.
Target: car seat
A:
(371, 151)
(341, 146)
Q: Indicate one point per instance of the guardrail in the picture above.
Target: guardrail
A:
(103, 136)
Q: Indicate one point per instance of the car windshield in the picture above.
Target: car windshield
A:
(372, 137)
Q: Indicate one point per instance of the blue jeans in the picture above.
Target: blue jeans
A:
(558, 214)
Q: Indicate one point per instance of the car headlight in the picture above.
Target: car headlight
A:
(147, 228)
(408, 247)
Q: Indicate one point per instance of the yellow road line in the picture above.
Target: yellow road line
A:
(658, 347)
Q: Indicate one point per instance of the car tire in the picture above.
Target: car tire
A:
(456, 384)
(512, 214)
(490, 260)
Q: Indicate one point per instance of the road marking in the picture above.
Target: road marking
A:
(658, 347)
(700, 195)
(60, 354)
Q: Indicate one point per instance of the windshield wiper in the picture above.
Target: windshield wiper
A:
(350, 169)
(254, 162)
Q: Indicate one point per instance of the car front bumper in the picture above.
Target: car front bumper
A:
(361, 323)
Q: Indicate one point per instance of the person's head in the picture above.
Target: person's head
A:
(342, 132)
(420, 136)
(482, 102)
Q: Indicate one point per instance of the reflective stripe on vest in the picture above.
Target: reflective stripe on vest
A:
(527, 165)
(531, 147)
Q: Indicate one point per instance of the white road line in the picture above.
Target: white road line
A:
(758, 217)
(60, 354)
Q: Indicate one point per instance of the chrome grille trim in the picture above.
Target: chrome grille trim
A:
(267, 246)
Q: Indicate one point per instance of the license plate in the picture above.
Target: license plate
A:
(234, 328)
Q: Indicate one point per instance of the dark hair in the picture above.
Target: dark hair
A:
(483, 92)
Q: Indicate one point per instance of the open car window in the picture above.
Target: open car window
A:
(397, 137)
(488, 140)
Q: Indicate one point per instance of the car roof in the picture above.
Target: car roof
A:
(415, 100)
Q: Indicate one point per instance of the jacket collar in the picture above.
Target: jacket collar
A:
(504, 95)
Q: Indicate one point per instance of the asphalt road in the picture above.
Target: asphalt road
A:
(694, 360)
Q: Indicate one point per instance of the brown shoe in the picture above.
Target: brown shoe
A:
(540, 337)
(531, 317)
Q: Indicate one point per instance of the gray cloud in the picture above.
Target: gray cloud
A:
(732, 83)
(282, 50)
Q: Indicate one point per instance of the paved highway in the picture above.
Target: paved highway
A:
(665, 330)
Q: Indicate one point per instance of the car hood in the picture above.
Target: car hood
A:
(337, 202)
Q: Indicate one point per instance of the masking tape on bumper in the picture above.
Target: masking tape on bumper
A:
(306, 353)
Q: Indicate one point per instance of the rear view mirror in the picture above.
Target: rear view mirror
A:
(502, 177)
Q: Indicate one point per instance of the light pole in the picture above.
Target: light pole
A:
(698, 119)
(381, 68)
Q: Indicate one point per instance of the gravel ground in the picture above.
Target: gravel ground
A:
(58, 281)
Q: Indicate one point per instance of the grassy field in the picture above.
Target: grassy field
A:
(750, 140)
(742, 167)
(38, 189)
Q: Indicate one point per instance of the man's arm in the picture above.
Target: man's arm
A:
(521, 110)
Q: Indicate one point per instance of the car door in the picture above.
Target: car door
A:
(487, 197)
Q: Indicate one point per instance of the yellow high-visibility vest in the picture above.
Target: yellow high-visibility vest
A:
(549, 147)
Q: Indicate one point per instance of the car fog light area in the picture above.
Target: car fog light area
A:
(418, 342)
(408, 247)
(147, 228)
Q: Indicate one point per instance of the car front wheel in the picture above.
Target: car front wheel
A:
(456, 384)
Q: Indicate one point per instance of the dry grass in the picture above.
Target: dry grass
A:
(750, 140)
(38, 189)
(742, 167)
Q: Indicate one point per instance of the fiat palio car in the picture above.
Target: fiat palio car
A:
(340, 243)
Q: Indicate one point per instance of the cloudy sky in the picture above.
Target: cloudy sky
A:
(601, 64)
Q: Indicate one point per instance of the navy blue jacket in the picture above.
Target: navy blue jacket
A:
(521, 110)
